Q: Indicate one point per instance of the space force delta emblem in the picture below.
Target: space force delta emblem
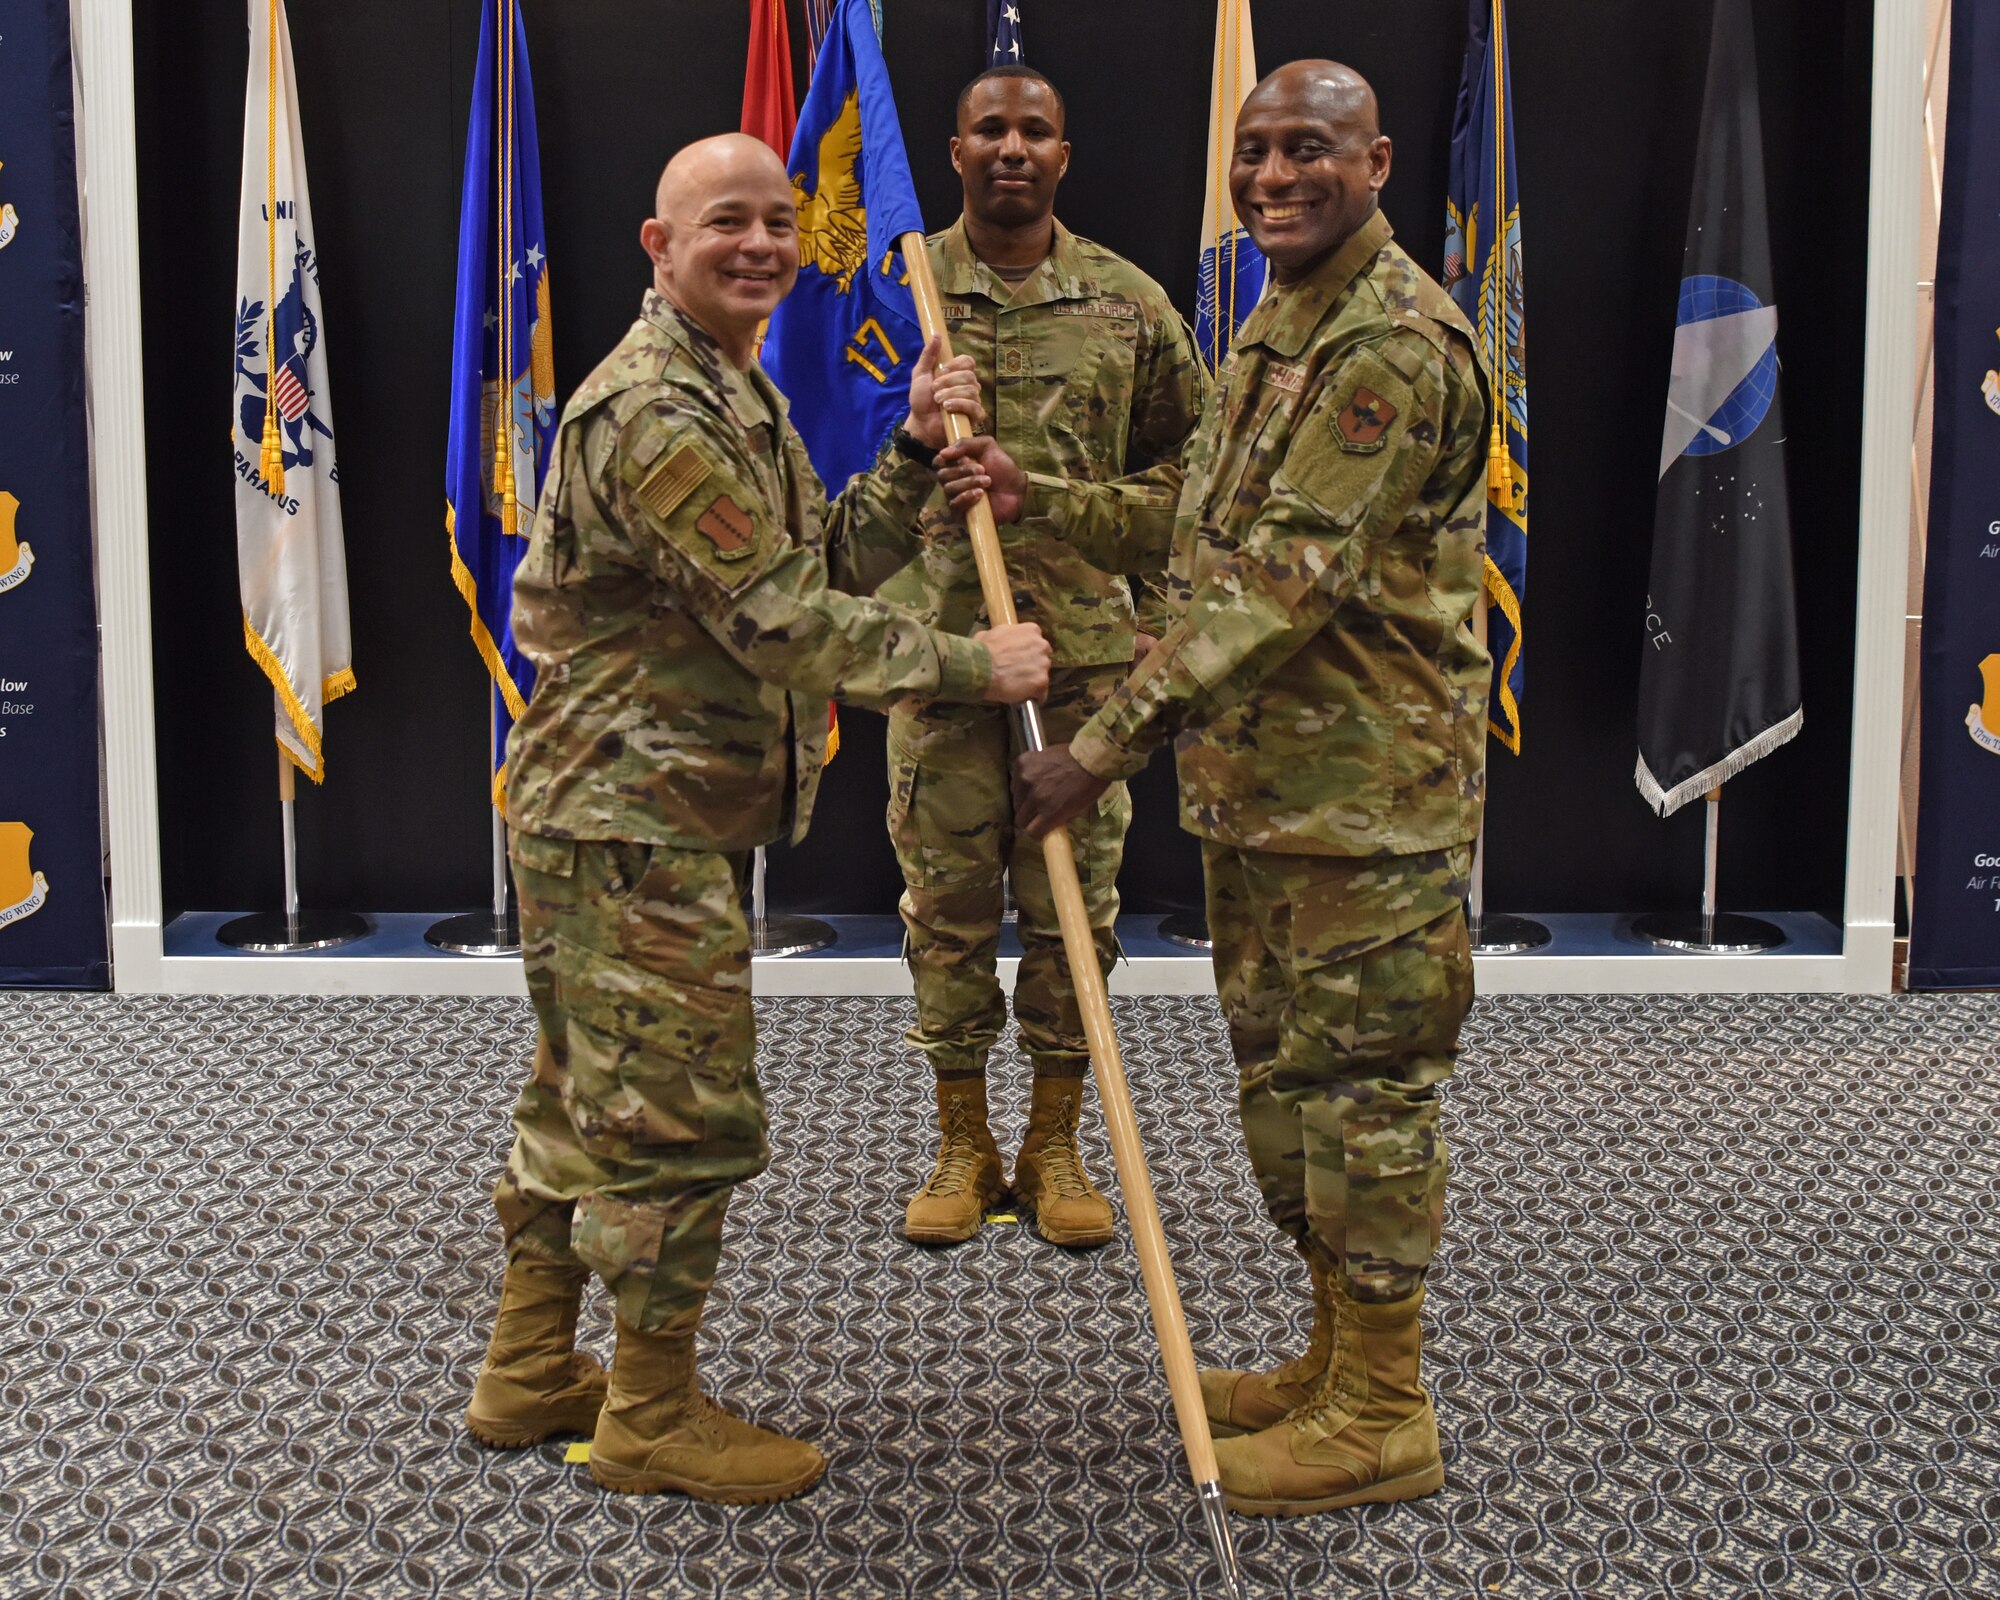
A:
(23, 891)
(16, 559)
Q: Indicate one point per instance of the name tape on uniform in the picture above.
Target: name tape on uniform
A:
(1124, 310)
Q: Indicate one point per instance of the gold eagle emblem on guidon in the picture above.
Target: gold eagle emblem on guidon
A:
(833, 223)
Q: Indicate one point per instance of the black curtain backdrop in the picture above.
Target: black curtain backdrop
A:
(1607, 96)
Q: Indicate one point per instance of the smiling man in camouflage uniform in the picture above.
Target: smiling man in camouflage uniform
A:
(1330, 701)
(1089, 376)
(680, 599)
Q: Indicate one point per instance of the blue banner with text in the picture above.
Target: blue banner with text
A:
(1955, 928)
(52, 920)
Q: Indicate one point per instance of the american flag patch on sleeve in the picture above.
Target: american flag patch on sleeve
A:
(672, 481)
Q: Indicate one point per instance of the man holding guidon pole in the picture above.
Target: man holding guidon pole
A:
(1089, 375)
(682, 601)
(1330, 702)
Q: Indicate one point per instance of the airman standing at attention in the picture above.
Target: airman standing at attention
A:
(1330, 704)
(1089, 376)
(681, 600)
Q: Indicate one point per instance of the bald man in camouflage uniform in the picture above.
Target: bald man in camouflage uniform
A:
(681, 600)
(1330, 701)
(1089, 376)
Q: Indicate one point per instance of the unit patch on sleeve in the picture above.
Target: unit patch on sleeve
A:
(1365, 420)
(672, 481)
(728, 527)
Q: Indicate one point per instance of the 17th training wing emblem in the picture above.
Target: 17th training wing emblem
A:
(15, 557)
(833, 223)
(23, 891)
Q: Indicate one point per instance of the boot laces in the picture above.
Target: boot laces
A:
(1060, 1160)
(958, 1157)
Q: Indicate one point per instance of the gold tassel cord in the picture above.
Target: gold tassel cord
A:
(271, 453)
(504, 487)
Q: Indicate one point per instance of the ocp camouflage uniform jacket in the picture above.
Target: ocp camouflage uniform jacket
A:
(1088, 375)
(675, 599)
(1328, 695)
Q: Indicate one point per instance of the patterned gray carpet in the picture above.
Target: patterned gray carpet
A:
(1718, 1318)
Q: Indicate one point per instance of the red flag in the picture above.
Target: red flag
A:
(769, 111)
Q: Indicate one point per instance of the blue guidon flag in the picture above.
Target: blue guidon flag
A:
(503, 380)
(1482, 271)
(1719, 679)
(841, 346)
(1232, 271)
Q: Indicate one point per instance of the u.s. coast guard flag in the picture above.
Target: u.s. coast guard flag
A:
(1003, 27)
(1719, 678)
(503, 380)
(1482, 271)
(1232, 268)
(841, 345)
(289, 552)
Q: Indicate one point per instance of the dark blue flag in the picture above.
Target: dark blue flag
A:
(1955, 917)
(842, 344)
(1719, 679)
(1482, 270)
(1003, 27)
(503, 403)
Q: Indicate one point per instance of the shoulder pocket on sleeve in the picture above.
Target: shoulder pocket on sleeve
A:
(1368, 397)
(707, 516)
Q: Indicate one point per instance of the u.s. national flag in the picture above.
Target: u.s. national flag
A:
(1482, 270)
(842, 344)
(1003, 27)
(503, 410)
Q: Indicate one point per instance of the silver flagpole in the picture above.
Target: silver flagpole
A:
(780, 936)
(493, 932)
(290, 931)
(1710, 932)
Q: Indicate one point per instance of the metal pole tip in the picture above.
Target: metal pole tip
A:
(1215, 1515)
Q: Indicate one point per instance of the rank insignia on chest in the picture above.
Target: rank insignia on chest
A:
(672, 481)
(1365, 420)
(728, 527)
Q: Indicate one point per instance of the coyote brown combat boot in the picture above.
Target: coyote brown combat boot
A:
(968, 1178)
(1368, 1434)
(1244, 1402)
(658, 1431)
(535, 1381)
(1048, 1173)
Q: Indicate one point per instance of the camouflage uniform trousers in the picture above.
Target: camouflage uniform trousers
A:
(951, 819)
(643, 1110)
(1344, 981)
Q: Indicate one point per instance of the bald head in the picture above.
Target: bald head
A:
(698, 170)
(1326, 89)
(1308, 163)
(724, 237)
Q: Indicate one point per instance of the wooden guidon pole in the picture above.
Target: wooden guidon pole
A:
(1141, 1211)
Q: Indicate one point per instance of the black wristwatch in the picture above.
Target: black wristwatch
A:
(908, 444)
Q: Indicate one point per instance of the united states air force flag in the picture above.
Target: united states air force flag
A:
(1231, 277)
(503, 380)
(290, 555)
(1482, 271)
(841, 345)
(1719, 675)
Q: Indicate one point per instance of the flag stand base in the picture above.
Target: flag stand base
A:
(273, 933)
(1724, 934)
(1502, 935)
(1188, 928)
(789, 936)
(475, 933)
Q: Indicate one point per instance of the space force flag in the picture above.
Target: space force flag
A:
(841, 345)
(290, 557)
(503, 379)
(1482, 272)
(1231, 277)
(1719, 678)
